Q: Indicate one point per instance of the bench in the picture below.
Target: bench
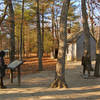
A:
(15, 65)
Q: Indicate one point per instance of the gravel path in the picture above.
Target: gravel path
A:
(36, 86)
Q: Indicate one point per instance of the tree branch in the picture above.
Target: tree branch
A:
(2, 18)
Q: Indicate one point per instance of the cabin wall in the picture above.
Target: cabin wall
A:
(80, 47)
(76, 49)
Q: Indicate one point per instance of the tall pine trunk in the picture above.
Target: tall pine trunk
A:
(42, 30)
(60, 66)
(39, 40)
(21, 31)
(91, 15)
(56, 29)
(11, 30)
(86, 27)
(53, 23)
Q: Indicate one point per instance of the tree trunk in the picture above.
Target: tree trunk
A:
(21, 32)
(97, 66)
(86, 27)
(60, 66)
(91, 16)
(11, 30)
(92, 26)
(53, 23)
(42, 30)
(56, 30)
(39, 39)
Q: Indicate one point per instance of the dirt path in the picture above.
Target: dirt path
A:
(36, 86)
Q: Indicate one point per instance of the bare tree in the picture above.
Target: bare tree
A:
(60, 66)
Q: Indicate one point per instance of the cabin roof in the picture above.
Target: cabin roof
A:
(75, 36)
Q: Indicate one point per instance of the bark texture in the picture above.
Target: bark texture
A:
(39, 39)
(21, 31)
(11, 30)
(97, 66)
(85, 26)
(42, 30)
(60, 66)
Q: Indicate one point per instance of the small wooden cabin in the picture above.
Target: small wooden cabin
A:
(76, 46)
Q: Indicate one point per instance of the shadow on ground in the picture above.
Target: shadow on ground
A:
(36, 87)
